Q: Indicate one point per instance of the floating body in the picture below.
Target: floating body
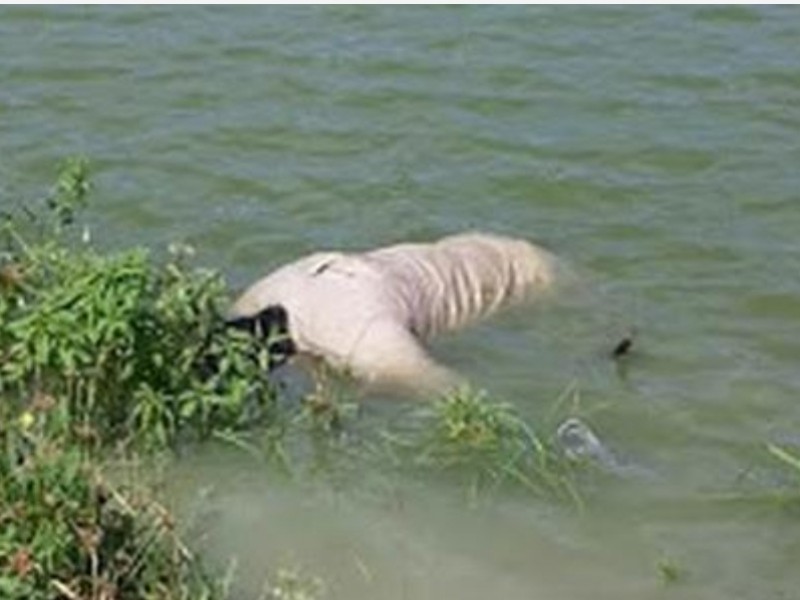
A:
(370, 313)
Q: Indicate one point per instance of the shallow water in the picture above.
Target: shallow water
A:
(654, 149)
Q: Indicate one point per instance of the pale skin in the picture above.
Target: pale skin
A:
(370, 313)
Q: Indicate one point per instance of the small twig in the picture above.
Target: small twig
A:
(64, 589)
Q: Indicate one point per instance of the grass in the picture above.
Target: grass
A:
(67, 531)
(788, 495)
(487, 445)
(786, 457)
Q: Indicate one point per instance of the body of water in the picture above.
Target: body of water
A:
(655, 149)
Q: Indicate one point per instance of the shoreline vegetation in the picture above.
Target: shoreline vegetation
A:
(112, 359)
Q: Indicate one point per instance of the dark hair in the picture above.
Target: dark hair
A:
(272, 325)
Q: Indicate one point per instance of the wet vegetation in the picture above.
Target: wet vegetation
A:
(486, 445)
(790, 461)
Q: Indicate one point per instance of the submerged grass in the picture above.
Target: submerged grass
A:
(487, 445)
(789, 496)
(786, 457)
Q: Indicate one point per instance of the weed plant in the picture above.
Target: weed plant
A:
(487, 444)
(118, 347)
(66, 531)
(100, 355)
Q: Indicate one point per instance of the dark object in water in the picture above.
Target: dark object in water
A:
(623, 347)
(270, 321)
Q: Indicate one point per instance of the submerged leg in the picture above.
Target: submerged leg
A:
(390, 356)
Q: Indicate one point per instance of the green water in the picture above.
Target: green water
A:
(654, 149)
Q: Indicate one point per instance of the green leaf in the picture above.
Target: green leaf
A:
(784, 456)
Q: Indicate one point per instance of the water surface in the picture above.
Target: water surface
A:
(655, 149)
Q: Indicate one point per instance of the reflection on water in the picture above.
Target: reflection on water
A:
(655, 149)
